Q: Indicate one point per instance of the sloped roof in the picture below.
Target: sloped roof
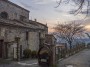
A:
(37, 23)
(29, 25)
(16, 5)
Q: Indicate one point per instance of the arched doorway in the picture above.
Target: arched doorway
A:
(44, 56)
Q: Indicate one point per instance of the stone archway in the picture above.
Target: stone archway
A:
(44, 55)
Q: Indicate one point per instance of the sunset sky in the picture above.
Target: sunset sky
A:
(45, 12)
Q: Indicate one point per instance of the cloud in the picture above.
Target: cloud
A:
(41, 2)
(58, 11)
(28, 6)
(72, 11)
(85, 12)
(86, 23)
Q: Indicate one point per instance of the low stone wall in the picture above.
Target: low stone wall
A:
(69, 52)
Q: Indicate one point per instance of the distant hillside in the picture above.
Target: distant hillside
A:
(76, 40)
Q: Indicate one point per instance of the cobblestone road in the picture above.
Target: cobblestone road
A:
(81, 59)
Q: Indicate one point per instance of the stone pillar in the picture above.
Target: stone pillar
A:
(53, 56)
(17, 39)
(51, 41)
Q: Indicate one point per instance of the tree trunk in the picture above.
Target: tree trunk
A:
(70, 43)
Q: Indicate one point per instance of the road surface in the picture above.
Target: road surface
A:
(81, 59)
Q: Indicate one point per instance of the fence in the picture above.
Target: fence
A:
(63, 53)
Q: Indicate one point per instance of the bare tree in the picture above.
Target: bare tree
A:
(87, 34)
(69, 31)
(80, 3)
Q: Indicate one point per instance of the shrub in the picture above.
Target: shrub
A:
(27, 53)
(34, 54)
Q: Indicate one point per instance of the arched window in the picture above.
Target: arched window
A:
(4, 15)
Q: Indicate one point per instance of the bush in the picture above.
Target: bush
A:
(27, 53)
(34, 54)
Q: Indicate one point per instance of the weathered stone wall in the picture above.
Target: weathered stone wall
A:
(10, 28)
(9, 34)
(13, 11)
(33, 41)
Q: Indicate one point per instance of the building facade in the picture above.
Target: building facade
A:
(15, 23)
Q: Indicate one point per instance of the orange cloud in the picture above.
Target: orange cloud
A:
(50, 30)
(87, 27)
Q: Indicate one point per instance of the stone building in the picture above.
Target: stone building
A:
(15, 23)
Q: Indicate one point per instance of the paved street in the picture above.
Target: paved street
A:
(26, 63)
(81, 59)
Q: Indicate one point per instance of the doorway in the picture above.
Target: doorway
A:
(1, 48)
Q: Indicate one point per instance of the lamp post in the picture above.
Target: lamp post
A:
(17, 39)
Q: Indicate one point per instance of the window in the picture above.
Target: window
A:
(27, 35)
(4, 15)
(22, 18)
